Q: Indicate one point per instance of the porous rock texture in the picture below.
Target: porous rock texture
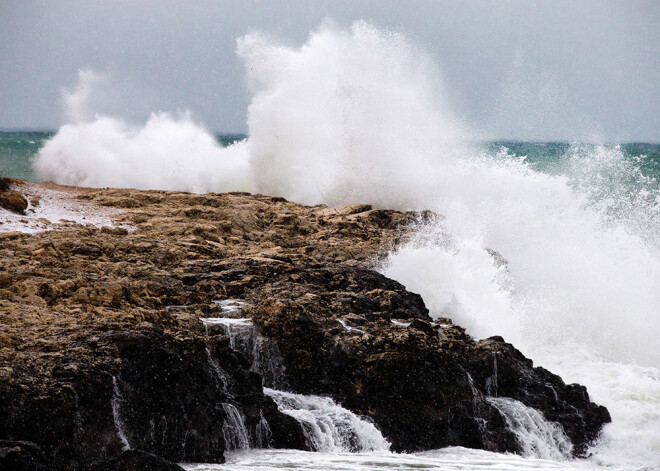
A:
(11, 199)
(102, 349)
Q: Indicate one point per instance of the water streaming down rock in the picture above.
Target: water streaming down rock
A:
(330, 428)
(119, 424)
(478, 404)
(261, 351)
(230, 306)
(491, 382)
(327, 426)
(221, 375)
(234, 430)
(537, 437)
(262, 433)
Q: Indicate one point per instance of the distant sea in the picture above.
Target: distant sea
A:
(578, 224)
(18, 149)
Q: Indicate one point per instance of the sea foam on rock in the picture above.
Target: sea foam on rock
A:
(103, 349)
(424, 384)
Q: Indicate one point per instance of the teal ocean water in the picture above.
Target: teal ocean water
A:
(354, 117)
(639, 162)
(19, 148)
(578, 223)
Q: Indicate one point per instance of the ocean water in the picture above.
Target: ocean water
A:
(19, 149)
(361, 115)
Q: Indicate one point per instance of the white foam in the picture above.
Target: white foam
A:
(400, 323)
(57, 208)
(327, 426)
(226, 321)
(351, 116)
(348, 328)
(447, 459)
(167, 152)
(537, 437)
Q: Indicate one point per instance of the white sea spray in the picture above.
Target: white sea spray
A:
(359, 115)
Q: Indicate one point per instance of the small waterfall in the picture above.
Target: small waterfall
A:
(119, 424)
(233, 429)
(537, 437)
(491, 382)
(476, 395)
(262, 432)
(230, 306)
(327, 426)
(262, 352)
(220, 374)
(477, 402)
(267, 361)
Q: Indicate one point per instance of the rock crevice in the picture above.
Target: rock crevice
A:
(103, 353)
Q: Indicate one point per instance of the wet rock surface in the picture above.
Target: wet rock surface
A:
(365, 340)
(135, 461)
(102, 348)
(22, 456)
(11, 199)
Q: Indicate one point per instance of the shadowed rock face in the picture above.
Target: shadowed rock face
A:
(423, 382)
(22, 456)
(101, 346)
(142, 389)
(135, 461)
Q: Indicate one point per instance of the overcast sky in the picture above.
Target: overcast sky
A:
(513, 69)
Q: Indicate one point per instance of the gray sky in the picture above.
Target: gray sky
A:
(513, 69)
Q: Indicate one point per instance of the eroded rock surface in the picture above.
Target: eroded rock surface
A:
(11, 199)
(362, 338)
(135, 461)
(102, 347)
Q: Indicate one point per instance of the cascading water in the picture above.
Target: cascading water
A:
(537, 437)
(234, 431)
(358, 115)
(223, 378)
(116, 414)
(491, 381)
(327, 426)
(261, 351)
(262, 433)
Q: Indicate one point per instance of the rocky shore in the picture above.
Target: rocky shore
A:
(104, 360)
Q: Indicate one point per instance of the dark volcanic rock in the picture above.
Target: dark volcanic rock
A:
(423, 384)
(145, 389)
(500, 370)
(22, 456)
(135, 460)
(102, 348)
